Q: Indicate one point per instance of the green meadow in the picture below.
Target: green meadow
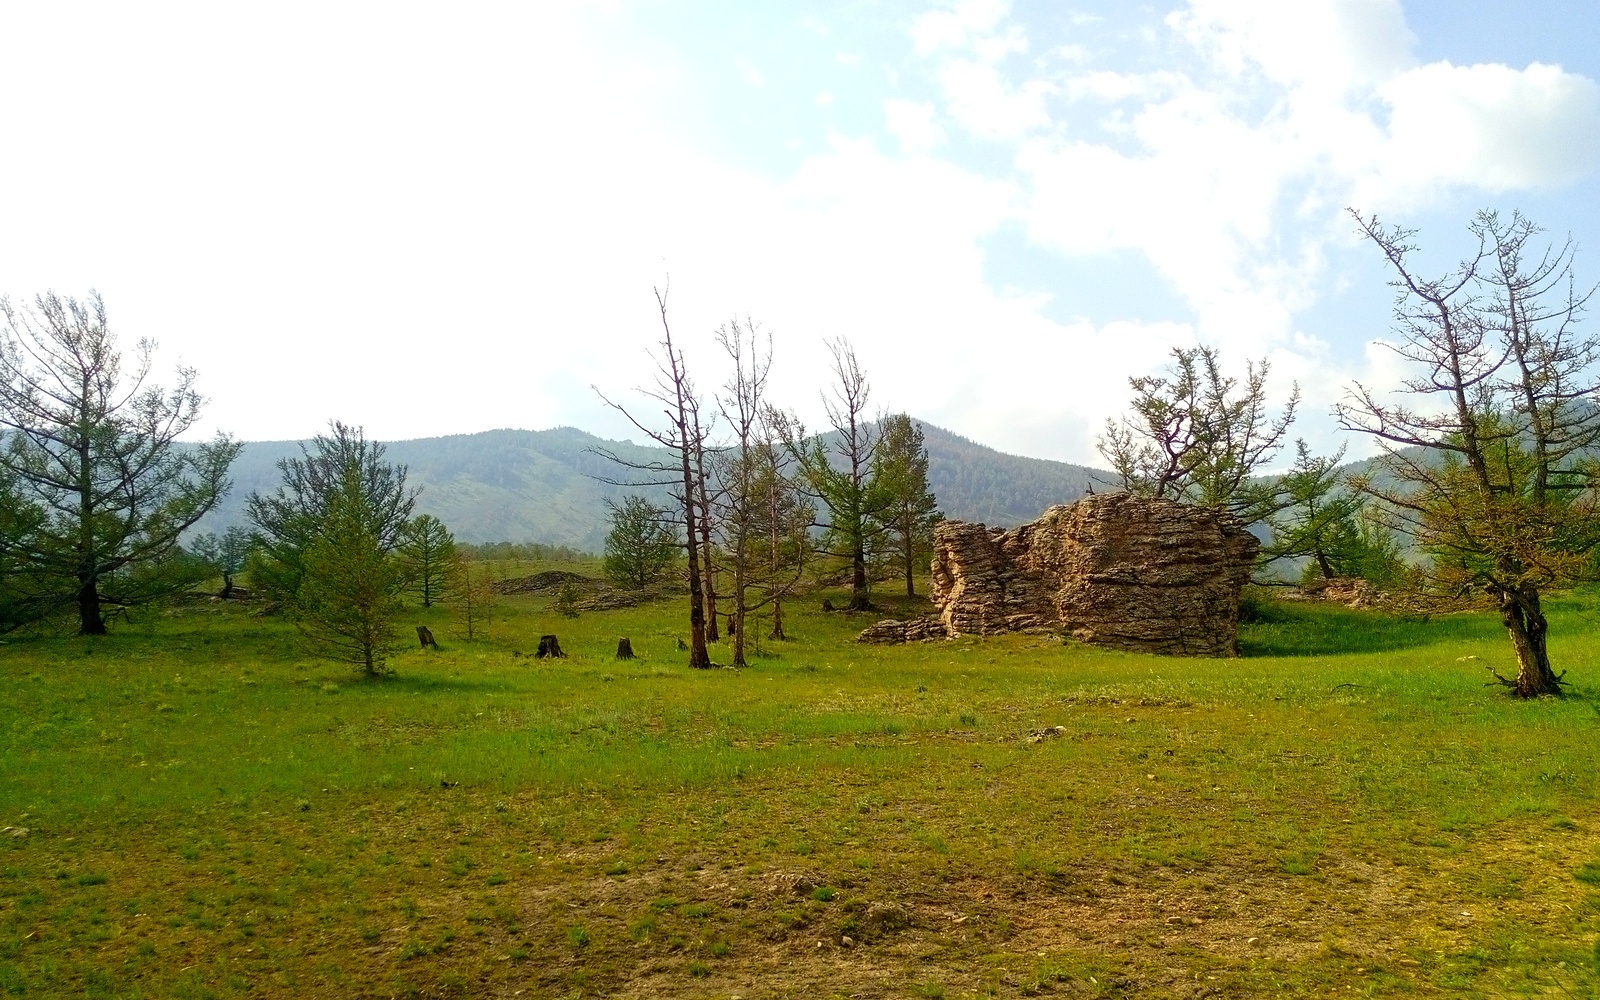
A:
(197, 808)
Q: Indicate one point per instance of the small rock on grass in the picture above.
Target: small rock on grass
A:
(15, 831)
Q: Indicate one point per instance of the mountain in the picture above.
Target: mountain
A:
(545, 486)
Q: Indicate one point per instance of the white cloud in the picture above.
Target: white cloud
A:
(912, 124)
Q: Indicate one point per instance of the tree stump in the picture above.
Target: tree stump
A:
(682, 645)
(827, 605)
(425, 636)
(549, 648)
(624, 649)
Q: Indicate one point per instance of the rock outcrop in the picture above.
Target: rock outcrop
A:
(1113, 570)
(891, 632)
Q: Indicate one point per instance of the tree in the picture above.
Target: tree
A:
(348, 597)
(909, 511)
(471, 597)
(97, 487)
(426, 549)
(1198, 437)
(683, 439)
(1492, 473)
(225, 554)
(754, 495)
(854, 505)
(289, 519)
(327, 544)
(641, 547)
(1322, 519)
(780, 546)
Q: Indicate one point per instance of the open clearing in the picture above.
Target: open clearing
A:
(197, 809)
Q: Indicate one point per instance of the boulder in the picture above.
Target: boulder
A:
(1113, 569)
(892, 632)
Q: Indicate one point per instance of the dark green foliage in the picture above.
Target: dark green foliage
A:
(426, 551)
(641, 546)
(900, 475)
(95, 489)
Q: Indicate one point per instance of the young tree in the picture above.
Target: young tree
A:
(1492, 472)
(348, 597)
(426, 549)
(900, 472)
(641, 547)
(1198, 437)
(855, 505)
(754, 495)
(682, 438)
(780, 546)
(98, 487)
(224, 554)
(289, 519)
(327, 541)
(471, 596)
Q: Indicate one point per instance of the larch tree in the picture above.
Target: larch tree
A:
(909, 510)
(841, 477)
(425, 550)
(225, 554)
(1491, 470)
(96, 486)
(328, 536)
(641, 546)
(1197, 436)
(681, 435)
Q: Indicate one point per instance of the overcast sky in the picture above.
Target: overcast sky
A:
(445, 218)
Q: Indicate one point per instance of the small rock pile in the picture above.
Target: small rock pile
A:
(891, 632)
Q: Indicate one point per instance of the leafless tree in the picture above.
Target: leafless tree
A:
(748, 471)
(681, 435)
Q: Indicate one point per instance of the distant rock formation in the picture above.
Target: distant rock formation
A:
(1112, 569)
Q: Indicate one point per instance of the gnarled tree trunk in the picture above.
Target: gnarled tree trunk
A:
(1524, 620)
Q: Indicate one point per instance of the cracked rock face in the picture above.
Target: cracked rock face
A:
(1113, 570)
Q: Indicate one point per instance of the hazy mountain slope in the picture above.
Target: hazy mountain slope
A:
(514, 485)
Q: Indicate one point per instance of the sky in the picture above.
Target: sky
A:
(430, 219)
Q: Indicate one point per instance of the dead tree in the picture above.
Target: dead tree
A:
(681, 436)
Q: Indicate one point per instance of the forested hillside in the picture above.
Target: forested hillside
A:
(545, 486)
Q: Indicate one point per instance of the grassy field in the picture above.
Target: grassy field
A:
(1346, 811)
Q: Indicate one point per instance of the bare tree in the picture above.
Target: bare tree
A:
(97, 487)
(681, 437)
(749, 488)
(1492, 472)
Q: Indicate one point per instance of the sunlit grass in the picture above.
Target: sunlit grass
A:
(210, 810)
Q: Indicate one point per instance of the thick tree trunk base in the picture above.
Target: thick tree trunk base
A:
(549, 648)
(624, 649)
(425, 637)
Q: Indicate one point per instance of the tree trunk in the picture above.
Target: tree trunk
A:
(1525, 621)
(89, 620)
(227, 586)
(624, 649)
(1324, 565)
(858, 580)
(911, 557)
(777, 621)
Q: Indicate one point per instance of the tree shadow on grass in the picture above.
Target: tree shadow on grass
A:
(1308, 628)
(427, 683)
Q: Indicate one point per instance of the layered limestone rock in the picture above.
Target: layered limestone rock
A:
(1113, 570)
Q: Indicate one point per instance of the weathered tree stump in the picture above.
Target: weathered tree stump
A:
(624, 649)
(827, 605)
(549, 648)
(425, 636)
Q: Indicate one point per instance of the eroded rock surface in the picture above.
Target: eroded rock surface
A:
(1113, 570)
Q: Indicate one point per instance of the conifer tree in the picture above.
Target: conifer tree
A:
(907, 509)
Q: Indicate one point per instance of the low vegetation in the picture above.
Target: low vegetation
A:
(194, 807)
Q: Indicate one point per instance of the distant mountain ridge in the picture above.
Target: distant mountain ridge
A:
(546, 486)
